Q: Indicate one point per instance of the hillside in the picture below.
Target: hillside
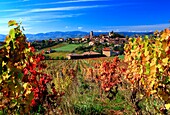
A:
(71, 34)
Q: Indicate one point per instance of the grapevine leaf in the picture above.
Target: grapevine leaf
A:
(12, 33)
(153, 91)
(153, 70)
(25, 85)
(165, 61)
(20, 75)
(146, 52)
(7, 39)
(153, 61)
(146, 37)
(3, 63)
(5, 76)
(12, 23)
(147, 65)
(167, 106)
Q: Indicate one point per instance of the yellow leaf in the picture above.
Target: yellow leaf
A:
(7, 39)
(27, 92)
(153, 70)
(153, 62)
(153, 91)
(159, 67)
(3, 63)
(31, 59)
(146, 52)
(141, 96)
(25, 85)
(5, 76)
(12, 23)
(152, 84)
(165, 61)
(167, 106)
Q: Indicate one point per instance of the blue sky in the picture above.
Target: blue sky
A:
(40, 16)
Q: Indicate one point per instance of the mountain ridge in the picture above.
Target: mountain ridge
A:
(71, 34)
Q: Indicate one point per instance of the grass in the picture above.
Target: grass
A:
(53, 47)
(67, 48)
(121, 57)
(63, 49)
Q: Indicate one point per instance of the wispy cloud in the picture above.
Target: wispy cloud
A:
(40, 17)
(11, 2)
(66, 27)
(63, 2)
(64, 8)
(80, 28)
(138, 28)
(72, 1)
(47, 17)
(42, 21)
(57, 9)
(10, 10)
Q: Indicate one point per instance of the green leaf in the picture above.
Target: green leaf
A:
(12, 23)
(12, 33)
(20, 75)
(1, 113)
(147, 65)
(146, 37)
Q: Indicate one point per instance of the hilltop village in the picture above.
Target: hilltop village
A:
(89, 46)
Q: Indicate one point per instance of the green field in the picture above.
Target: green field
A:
(67, 48)
(53, 47)
(63, 49)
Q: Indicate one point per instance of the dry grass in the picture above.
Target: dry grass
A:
(58, 54)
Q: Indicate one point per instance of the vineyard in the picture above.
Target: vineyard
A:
(138, 83)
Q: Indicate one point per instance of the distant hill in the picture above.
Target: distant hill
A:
(57, 34)
(71, 34)
(2, 37)
(131, 34)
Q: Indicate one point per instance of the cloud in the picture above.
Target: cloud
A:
(80, 28)
(66, 27)
(17, 1)
(63, 2)
(39, 17)
(4, 30)
(42, 21)
(62, 8)
(72, 1)
(10, 10)
(57, 9)
(7, 2)
(47, 17)
(138, 28)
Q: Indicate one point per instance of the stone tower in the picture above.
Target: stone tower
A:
(91, 34)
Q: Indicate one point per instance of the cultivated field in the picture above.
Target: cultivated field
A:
(68, 48)
(84, 94)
